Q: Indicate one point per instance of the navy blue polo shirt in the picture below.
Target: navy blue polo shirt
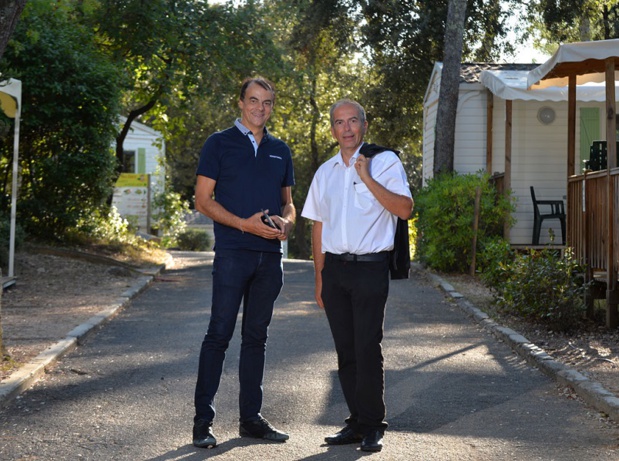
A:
(246, 182)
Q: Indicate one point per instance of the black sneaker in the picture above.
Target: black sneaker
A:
(262, 429)
(203, 436)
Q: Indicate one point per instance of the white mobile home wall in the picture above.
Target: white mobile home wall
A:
(470, 135)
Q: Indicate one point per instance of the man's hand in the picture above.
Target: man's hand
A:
(284, 225)
(318, 293)
(399, 205)
(362, 165)
(254, 225)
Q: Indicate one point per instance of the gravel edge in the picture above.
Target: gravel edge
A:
(23, 378)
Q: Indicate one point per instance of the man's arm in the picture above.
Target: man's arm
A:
(206, 205)
(319, 261)
(399, 205)
(289, 213)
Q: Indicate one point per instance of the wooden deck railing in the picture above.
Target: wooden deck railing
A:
(587, 218)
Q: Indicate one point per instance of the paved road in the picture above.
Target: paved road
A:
(454, 392)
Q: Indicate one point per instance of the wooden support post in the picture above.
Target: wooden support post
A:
(507, 181)
(612, 315)
(489, 123)
(586, 216)
(476, 214)
(571, 125)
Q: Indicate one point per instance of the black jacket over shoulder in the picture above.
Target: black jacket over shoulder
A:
(400, 256)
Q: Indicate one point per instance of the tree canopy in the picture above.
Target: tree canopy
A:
(176, 66)
(70, 105)
(550, 23)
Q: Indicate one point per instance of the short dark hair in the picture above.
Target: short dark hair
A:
(343, 102)
(263, 82)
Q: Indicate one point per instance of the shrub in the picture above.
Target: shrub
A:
(544, 286)
(193, 240)
(495, 263)
(114, 235)
(412, 237)
(446, 208)
(103, 226)
(170, 220)
(70, 119)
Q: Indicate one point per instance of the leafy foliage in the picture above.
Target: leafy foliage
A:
(194, 240)
(170, 219)
(70, 105)
(107, 232)
(209, 104)
(174, 52)
(552, 22)
(446, 208)
(494, 262)
(105, 227)
(178, 66)
(544, 286)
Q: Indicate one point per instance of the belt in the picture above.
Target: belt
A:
(366, 258)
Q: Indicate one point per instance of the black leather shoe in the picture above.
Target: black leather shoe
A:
(262, 429)
(203, 434)
(373, 441)
(345, 436)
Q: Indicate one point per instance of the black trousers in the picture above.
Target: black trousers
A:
(355, 296)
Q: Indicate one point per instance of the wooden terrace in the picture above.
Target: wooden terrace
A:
(592, 224)
(593, 197)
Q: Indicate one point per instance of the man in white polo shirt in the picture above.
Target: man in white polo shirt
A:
(354, 202)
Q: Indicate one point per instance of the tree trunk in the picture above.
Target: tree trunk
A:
(303, 249)
(4, 353)
(448, 97)
(120, 139)
(585, 29)
(10, 10)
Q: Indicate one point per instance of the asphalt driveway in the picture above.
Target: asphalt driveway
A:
(453, 391)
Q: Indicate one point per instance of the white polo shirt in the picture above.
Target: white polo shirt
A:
(353, 221)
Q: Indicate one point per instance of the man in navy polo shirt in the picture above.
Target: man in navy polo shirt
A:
(242, 171)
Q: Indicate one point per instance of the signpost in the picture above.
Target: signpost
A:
(132, 199)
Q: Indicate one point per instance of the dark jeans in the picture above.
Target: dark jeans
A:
(355, 295)
(257, 279)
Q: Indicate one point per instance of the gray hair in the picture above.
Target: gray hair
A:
(343, 102)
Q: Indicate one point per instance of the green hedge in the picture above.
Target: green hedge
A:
(544, 286)
(194, 240)
(445, 209)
